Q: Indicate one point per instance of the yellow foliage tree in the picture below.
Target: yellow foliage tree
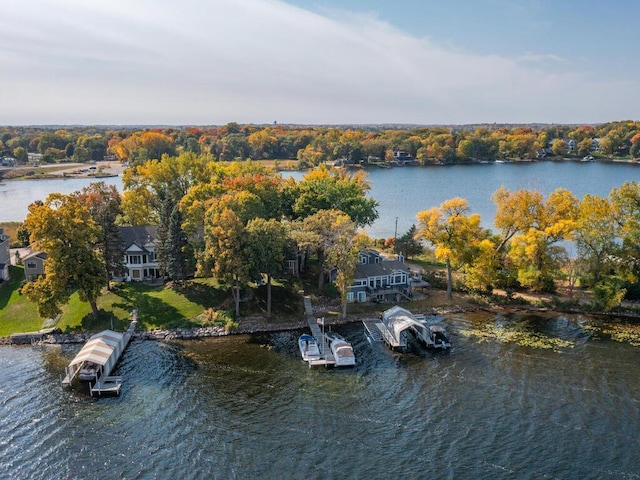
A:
(451, 231)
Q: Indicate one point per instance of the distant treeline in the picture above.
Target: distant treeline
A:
(312, 145)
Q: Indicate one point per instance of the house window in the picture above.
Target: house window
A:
(135, 259)
(350, 297)
(31, 265)
(135, 273)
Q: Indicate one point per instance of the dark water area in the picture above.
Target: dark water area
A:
(248, 407)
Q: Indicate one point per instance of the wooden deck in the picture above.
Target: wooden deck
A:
(327, 357)
(106, 386)
(378, 332)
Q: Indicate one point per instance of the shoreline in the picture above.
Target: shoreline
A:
(261, 325)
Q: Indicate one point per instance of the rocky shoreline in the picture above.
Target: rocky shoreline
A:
(249, 325)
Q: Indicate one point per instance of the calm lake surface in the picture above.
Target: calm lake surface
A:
(248, 407)
(403, 192)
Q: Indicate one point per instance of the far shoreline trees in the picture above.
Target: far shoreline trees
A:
(309, 146)
(240, 221)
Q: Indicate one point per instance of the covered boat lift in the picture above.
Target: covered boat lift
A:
(96, 360)
(393, 324)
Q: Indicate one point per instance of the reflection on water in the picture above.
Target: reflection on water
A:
(248, 407)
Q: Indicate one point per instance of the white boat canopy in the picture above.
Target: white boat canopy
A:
(102, 349)
(398, 319)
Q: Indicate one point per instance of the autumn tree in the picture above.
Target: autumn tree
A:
(595, 237)
(20, 154)
(145, 184)
(560, 147)
(267, 242)
(534, 227)
(103, 202)
(227, 249)
(342, 254)
(324, 189)
(451, 231)
(142, 146)
(63, 227)
(315, 233)
(625, 201)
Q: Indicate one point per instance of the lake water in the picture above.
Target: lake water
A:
(403, 192)
(247, 407)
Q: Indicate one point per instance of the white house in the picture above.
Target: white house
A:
(140, 259)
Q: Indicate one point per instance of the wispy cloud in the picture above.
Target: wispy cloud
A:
(192, 62)
(540, 58)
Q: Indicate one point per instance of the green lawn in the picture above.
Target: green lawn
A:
(158, 306)
(17, 314)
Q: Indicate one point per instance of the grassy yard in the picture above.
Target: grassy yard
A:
(17, 314)
(158, 306)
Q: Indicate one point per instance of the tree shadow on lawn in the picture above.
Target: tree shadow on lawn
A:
(152, 312)
(284, 301)
(203, 294)
(16, 277)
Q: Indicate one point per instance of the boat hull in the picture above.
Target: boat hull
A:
(308, 346)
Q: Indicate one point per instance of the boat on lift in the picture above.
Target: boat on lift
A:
(309, 349)
(341, 349)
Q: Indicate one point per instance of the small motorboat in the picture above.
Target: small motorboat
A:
(341, 349)
(308, 347)
(438, 337)
(88, 372)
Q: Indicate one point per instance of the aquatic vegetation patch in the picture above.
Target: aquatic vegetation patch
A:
(618, 332)
(623, 333)
(516, 334)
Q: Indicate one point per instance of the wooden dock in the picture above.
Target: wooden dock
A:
(376, 332)
(327, 358)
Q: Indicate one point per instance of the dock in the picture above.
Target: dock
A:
(327, 358)
(377, 332)
(97, 358)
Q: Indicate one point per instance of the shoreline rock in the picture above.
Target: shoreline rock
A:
(250, 325)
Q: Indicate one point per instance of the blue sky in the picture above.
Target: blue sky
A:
(351, 61)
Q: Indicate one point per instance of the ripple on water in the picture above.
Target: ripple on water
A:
(248, 407)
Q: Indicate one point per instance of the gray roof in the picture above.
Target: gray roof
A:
(379, 269)
(40, 255)
(142, 236)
